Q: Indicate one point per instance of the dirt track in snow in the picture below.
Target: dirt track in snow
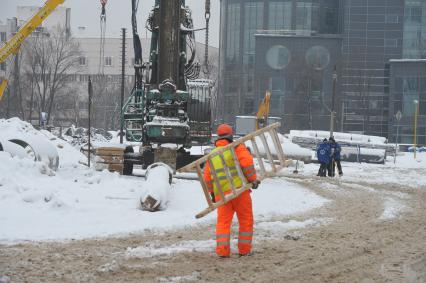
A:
(356, 246)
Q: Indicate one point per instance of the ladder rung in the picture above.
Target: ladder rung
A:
(238, 166)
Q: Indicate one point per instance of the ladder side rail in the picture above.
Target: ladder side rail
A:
(278, 148)
(268, 152)
(259, 157)
(204, 185)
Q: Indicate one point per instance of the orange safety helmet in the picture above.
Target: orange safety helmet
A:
(224, 131)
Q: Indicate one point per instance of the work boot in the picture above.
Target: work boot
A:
(247, 254)
(340, 174)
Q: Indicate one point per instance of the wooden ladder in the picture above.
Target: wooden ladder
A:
(262, 172)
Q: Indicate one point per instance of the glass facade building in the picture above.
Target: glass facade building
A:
(291, 48)
(241, 21)
(372, 35)
(408, 86)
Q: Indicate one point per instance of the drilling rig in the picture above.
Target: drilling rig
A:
(168, 110)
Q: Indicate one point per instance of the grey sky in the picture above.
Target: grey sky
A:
(86, 13)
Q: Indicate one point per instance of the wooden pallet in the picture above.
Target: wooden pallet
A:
(111, 158)
(262, 172)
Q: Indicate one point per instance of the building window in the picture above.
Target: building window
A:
(410, 94)
(391, 43)
(233, 33)
(253, 21)
(248, 105)
(305, 16)
(392, 19)
(108, 61)
(414, 44)
(82, 61)
(3, 36)
(415, 14)
(84, 78)
(330, 18)
(280, 15)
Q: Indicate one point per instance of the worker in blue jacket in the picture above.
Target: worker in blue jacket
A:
(323, 155)
(335, 158)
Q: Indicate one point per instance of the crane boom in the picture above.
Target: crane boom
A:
(15, 42)
(13, 45)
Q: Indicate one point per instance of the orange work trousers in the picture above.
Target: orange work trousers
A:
(242, 205)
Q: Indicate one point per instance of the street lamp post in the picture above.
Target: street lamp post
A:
(333, 97)
(398, 117)
(416, 113)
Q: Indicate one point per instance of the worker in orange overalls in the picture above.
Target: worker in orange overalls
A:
(242, 205)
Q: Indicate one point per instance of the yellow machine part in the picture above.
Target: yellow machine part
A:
(12, 46)
(3, 86)
(263, 111)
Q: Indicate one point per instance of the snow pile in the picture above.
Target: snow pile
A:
(392, 209)
(78, 136)
(290, 149)
(294, 151)
(159, 249)
(356, 138)
(35, 142)
(75, 202)
(407, 172)
(78, 202)
(158, 177)
(44, 143)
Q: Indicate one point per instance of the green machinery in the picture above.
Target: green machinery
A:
(168, 105)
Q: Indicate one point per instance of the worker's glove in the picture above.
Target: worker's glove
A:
(212, 197)
(255, 184)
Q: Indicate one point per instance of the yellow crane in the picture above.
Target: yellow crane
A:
(263, 111)
(13, 45)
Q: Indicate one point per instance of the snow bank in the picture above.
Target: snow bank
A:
(392, 209)
(290, 149)
(76, 202)
(24, 134)
(407, 172)
(338, 136)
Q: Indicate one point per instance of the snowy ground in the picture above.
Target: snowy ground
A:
(367, 226)
(76, 202)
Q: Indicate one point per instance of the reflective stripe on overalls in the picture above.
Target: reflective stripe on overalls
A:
(217, 166)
